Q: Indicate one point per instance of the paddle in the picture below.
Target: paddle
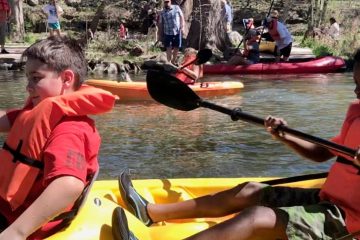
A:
(268, 14)
(201, 57)
(173, 93)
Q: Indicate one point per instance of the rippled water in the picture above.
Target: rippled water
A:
(159, 142)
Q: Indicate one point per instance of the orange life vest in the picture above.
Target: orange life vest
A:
(343, 182)
(21, 156)
(184, 77)
(273, 30)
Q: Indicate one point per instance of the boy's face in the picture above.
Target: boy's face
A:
(356, 76)
(43, 81)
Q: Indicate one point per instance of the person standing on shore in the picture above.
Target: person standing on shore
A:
(283, 39)
(5, 13)
(171, 28)
(53, 11)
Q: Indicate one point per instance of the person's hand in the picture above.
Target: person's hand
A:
(272, 126)
(357, 157)
(170, 68)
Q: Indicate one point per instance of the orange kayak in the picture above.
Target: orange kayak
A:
(137, 91)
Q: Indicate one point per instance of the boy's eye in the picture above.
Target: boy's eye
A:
(34, 79)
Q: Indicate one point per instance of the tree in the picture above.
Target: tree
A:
(206, 26)
(18, 31)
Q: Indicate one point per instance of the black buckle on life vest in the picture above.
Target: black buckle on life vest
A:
(348, 162)
(18, 156)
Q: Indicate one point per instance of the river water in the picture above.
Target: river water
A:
(158, 142)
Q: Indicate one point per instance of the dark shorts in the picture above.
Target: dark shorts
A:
(283, 52)
(172, 41)
(308, 217)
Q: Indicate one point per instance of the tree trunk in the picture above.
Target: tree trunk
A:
(18, 30)
(88, 36)
(288, 4)
(99, 12)
(206, 26)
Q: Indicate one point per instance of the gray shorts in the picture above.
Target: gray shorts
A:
(308, 218)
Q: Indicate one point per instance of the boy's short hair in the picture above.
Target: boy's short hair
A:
(190, 51)
(60, 53)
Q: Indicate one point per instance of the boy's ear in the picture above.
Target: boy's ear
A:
(68, 78)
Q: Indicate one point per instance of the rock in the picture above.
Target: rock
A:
(72, 3)
(33, 3)
(235, 38)
(136, 51)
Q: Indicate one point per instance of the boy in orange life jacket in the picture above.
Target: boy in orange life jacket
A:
(277, 212)
(191, 73)
(50, 153)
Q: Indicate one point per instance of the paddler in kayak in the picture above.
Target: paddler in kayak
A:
(266, 212)
(190, 73)
(50, 154)
(251, 53)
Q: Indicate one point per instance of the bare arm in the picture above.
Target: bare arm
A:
(304, 148)
(4, 122)
(194, 73)
(60, 193)
(182, 22)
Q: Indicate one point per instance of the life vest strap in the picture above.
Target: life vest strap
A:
(18, 156)
(348, 162)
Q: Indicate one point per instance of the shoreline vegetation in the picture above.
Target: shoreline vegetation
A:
(106, 45)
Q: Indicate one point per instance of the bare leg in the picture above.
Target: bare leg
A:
(174, 55)
(168, 53)
(219, 204)
(51, 32)
(252, 223)
(57, 32)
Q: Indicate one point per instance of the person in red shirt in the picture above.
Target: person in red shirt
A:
(57, 146)
(122, 31)
(5, 13)
(332, 212)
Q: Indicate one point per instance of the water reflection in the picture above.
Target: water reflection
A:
(159, 142)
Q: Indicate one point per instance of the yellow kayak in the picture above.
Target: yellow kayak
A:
(267, 46)
(137, 91)
(94, 218)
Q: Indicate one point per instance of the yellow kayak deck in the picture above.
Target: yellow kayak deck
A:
(94, 218)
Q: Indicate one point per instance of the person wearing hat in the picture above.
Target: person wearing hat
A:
(281, 35)
(251, 53)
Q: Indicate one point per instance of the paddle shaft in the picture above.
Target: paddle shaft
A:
(262, 30)
(189, 63)
(237, 114)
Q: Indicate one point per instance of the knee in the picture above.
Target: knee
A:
(259, 217)
(249, 189)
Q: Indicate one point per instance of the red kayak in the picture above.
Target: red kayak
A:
(319, 65)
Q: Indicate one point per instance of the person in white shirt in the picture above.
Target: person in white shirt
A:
(53, 11)
(334, 30)
(281, 35)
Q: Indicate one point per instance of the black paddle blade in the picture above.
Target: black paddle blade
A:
(203, 56)
(170, 91)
